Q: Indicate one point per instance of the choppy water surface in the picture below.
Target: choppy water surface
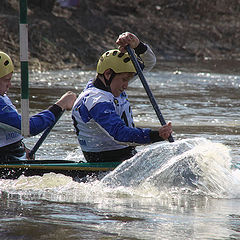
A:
(189, 189)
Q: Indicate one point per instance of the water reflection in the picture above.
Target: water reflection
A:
(121, 217)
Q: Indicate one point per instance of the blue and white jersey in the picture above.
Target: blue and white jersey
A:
(104, 122)
(10, 122)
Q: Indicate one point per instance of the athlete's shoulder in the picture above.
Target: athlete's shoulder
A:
(97, 96)
(2, 102)
(5, 99)
(6, 105)
(92, 96)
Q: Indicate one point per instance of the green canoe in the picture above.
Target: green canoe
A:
(77, 170)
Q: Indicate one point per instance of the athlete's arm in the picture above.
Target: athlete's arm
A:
(38, 123)
(104, 114)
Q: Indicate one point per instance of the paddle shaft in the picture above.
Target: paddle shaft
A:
(147, 89)
(44, 136)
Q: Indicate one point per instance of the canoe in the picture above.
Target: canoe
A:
(76, 170)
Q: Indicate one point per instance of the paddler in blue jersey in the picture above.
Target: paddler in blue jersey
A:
(102, 115)
(11, 145)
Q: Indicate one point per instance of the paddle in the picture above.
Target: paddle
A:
(43, 137)
(147, 89)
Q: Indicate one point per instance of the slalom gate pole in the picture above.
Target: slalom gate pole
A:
(23, 29)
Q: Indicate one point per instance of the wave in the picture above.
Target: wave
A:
(197, 166)
(190, 167)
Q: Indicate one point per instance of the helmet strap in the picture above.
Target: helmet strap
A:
(109, 81)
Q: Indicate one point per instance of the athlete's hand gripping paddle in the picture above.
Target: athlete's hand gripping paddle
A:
(147, 89)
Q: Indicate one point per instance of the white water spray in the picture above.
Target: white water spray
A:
(195, 167)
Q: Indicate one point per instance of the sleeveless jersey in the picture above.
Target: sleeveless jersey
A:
(104, 122)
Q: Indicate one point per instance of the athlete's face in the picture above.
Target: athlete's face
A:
(120, 83)
(5, 83)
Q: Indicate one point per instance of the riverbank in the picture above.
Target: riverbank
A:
(184, 36)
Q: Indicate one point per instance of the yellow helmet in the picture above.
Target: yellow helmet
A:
(119, 62)
(6, 65)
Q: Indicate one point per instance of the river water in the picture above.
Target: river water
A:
(189, 189)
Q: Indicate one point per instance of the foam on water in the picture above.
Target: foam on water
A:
(198, 166)
(192, 167)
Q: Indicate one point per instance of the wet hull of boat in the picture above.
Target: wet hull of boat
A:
(13, 170)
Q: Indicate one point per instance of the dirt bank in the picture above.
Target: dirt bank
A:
(178, 31)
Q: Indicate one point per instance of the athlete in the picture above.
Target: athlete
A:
(11, 144)
(102, 115)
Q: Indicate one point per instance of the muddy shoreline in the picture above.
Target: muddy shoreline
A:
(186, 36)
